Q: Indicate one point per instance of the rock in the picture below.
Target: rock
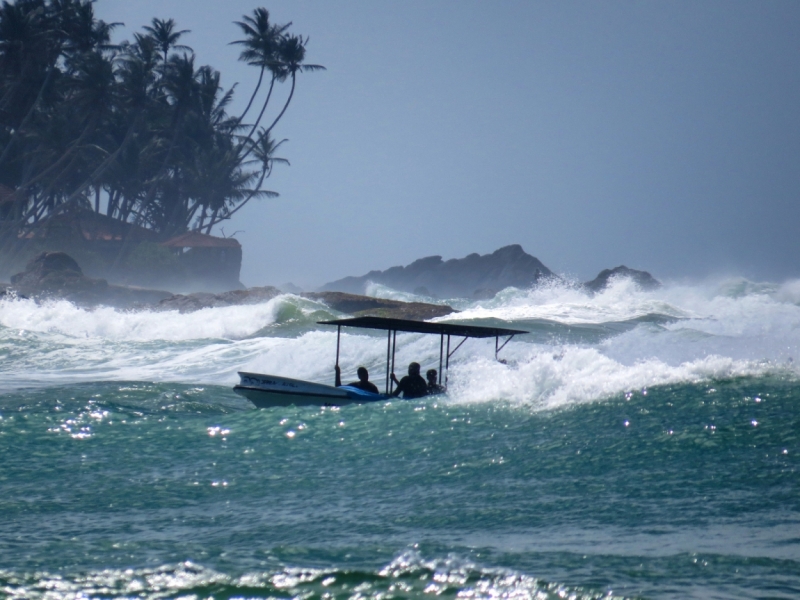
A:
(199, 300)
(422, 291)
(290, 288)
(642, 278)
(48, 268)
(57, 276)
(484, 294)
(351, 304)
(455, 278)
(362, 306)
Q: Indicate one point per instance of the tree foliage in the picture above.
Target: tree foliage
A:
(136, 130)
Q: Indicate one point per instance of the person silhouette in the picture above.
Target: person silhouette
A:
(412, 385)
(363, 382)
(433, 387)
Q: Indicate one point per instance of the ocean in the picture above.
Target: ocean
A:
(633, 445)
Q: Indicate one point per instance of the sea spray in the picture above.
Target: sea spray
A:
(581, 347)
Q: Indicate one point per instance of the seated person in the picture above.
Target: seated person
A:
(363, 382)
(433, 387)
(412, 385)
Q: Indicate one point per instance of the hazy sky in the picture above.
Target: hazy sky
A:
(660, 135)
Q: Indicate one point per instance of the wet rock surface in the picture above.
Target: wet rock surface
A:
(363, 306)
(351, 304)
(200, 300)
(56, 276)
(642, 278)
(468, 277)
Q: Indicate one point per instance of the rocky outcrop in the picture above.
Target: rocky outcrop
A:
(468, 277)
(56, 275)
(350, 304)
(6, 290)
(642, 278)
(199, 300)
(362, 306)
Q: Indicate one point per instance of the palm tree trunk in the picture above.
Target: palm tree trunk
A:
(261, 114)
(252, 97)
(213, 221)
(285, 106)
(109, 160)
(28, 116)
(67, 154)
(278, 118)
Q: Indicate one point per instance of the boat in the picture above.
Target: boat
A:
(266, 391)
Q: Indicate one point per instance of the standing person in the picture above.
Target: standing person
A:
(363, 382)
(412, 385)
(433, 387)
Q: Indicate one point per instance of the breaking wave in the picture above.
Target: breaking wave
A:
(582, 347)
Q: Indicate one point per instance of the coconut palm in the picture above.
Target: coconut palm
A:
(261, 43)
(292, 53)
(263, 149)
(135, 129)
(163, 33)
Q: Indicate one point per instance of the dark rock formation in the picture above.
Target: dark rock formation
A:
(290, 288)
(56, 275)
(199, 300)
(53, 270)
(362, 306)
(642, 278)
(455, 278)
(346, 303)
(6, 290)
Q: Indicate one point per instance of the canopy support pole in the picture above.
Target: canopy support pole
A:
(394, 345)
(449, 354)
(447, 364)
(441, 351)
(338, 335)
(496, 340)
(388, 350)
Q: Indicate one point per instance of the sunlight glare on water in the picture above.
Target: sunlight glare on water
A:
(633, 444)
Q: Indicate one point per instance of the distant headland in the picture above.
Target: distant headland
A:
(125, 153)
(56, 276)
(476, 276)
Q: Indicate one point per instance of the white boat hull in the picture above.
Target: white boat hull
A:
(266, 391)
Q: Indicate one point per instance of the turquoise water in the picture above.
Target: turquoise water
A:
(635, 445)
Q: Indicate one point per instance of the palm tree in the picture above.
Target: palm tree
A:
(264, 149)
(261, 43)
(30, 45)
(286, 61)
(138, 122)
(165, 36)
(292, 53)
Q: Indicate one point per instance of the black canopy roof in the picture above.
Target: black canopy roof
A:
(385, 324)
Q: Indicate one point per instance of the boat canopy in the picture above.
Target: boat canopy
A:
(409, 326)
(443, 330)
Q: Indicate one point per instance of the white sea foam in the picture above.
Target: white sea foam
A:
(63, 317)
(679, 333)
(547, 380)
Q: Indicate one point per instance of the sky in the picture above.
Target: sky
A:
(660, 135)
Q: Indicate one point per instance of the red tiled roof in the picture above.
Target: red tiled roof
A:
(195, 239)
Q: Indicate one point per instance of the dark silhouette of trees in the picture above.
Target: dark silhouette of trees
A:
(136, 130)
